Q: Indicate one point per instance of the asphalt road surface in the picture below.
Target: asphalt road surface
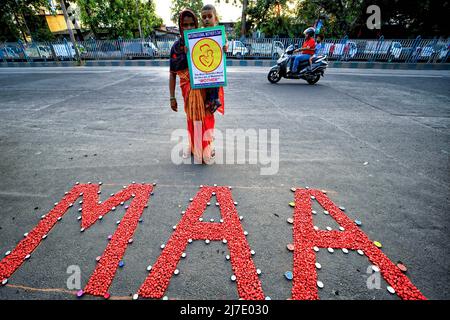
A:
(376, 140)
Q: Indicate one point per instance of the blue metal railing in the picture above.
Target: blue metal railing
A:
(344, 49)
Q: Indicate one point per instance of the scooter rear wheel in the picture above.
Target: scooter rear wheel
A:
(274, 76)
(313, 80)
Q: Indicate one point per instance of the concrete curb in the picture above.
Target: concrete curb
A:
(240, 63)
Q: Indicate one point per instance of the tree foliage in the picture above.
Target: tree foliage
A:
(272, 17)
(119, 18)
(19, 19)
(399, 18)
(180, 5)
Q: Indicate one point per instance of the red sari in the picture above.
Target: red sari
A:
(200, 121)
(198, 116)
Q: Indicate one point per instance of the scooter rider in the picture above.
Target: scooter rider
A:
(307, 50)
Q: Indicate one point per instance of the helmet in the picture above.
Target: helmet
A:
(311, 31)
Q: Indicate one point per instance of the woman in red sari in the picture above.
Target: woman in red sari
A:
(200, 120)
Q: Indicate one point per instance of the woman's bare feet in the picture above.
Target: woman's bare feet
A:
(211, 158)
(187, 152)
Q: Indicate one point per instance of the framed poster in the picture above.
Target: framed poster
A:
(206, 59)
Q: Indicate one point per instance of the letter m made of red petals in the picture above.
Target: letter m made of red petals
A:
(106, 268)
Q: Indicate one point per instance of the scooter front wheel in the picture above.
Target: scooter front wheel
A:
(274, 76)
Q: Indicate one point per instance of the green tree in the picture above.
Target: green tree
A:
(341, 16)
(179, 5)
(272, 17)
(19, 19)
(119, 18)
(427, 18)
(243, 25)
(399, 18)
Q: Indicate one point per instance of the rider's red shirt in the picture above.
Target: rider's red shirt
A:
(311, 43)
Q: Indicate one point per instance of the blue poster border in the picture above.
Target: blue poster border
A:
(189, 59)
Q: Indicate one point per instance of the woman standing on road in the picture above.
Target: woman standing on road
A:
(200, 121)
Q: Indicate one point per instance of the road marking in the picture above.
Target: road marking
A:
(384, 75)
(20, 194)
(180, 186)
(232, 69)
(58, 290)
(338, 73)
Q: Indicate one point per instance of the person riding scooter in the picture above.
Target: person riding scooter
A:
(309, 73)
(307, 50)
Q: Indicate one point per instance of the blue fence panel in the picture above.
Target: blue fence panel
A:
(345, 49)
